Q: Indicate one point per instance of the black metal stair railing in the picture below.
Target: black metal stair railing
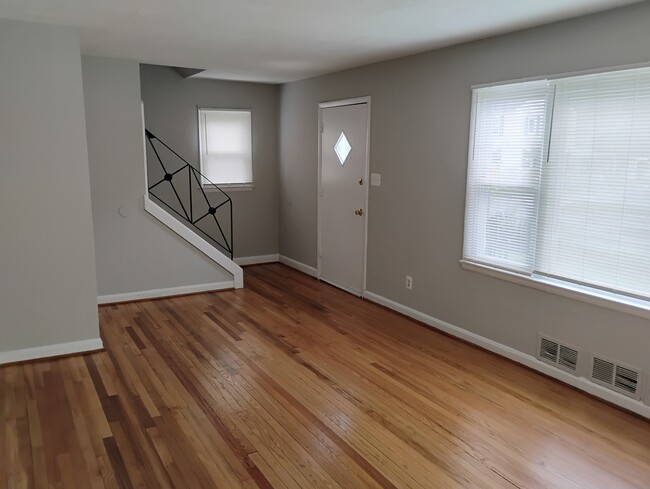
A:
(182, 188)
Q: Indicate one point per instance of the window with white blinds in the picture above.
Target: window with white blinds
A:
(504, 174)
(559, 180)
(226, 149)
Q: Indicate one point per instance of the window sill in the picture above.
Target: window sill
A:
(616, 302)
(244, 187)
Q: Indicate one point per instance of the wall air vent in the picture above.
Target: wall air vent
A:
(602, 371)
(626, 380)
(619, 378)
(548, 350)
(554, 353)
(568, 358)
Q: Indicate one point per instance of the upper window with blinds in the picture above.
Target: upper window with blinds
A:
(558, 181)
(225, 145)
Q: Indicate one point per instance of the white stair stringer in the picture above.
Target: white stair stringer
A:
(195, 240)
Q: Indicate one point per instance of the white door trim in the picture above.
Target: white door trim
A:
(366, 177)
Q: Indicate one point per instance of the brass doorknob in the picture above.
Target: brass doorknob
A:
(359, 212)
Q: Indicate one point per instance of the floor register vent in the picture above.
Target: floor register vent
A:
(619, 378)
(555, 353)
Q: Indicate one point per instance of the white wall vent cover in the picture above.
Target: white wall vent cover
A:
(557, 354)
(623, 379)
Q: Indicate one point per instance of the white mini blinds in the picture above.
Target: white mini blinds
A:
(225, 143)
(559, 180)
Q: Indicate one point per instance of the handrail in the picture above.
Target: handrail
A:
(187, 202)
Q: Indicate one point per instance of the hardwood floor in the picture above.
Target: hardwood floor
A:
(290, 383)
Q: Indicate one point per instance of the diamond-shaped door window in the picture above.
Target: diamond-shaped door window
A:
(342, 148)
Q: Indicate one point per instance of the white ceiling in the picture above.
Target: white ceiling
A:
(284, 40)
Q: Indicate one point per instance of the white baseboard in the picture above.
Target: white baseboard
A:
(299, 266)
(256, 260)
(515, 355)
(49, 351)
(158, 293)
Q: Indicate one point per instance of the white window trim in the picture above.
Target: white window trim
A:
(637, 307)
(232, 187)
(583, 293)
(556, 76)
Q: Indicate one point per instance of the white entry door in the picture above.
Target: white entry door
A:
(344, 194)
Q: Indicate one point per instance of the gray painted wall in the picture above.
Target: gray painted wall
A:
(419, 141)
(136, 253)
(170, 104)
(48, 293)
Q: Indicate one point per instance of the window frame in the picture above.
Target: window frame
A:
(602, 297)
(234, 187)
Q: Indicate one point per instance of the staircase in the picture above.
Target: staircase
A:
(188, 203)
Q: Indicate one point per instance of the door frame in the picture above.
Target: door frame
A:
(366, 177)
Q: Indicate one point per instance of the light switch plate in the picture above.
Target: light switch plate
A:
(375, 179)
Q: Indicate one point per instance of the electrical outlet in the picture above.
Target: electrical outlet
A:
(409, 282)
